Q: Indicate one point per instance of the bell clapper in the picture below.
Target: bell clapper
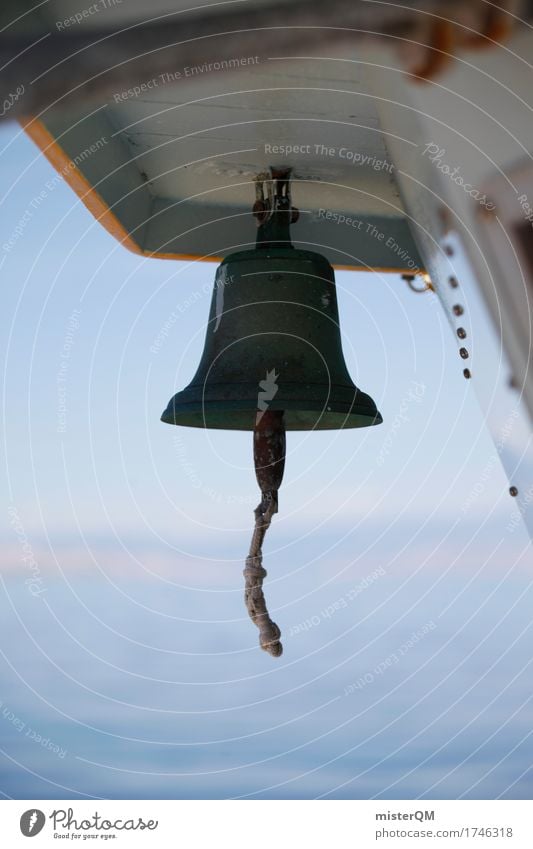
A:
(269, 459)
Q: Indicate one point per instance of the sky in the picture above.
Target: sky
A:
(129, 667)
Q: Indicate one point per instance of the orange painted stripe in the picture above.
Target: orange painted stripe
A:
(98, 207)
(78, 182)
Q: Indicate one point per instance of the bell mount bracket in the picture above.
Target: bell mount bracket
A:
(273, 208)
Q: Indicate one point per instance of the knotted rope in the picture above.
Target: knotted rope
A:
(269, 462)
(254, 574)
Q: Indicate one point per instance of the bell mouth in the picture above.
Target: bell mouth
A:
(344, 409)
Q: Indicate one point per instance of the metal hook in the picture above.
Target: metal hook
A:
(428, 285)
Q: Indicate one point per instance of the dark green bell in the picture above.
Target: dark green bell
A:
(273, 343)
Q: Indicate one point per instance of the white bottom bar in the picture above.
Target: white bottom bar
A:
(269, 824)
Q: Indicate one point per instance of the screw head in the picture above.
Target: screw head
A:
(453, 282)
(467, 373)
(458, 309)
(464, 353)
(461, 332)
(513, 491)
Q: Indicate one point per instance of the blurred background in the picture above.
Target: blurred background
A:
(398, 571)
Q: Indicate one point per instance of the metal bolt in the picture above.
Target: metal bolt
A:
(458, 309)
(464, 353)
(513, 491)
(461, 332)
(467, 373)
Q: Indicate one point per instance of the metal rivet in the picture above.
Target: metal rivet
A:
(513, 491)
(448, 250)
(458, 309)
(445, 218)
(453, 282)
(464, 353)
(461, 332)
(467, 373)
